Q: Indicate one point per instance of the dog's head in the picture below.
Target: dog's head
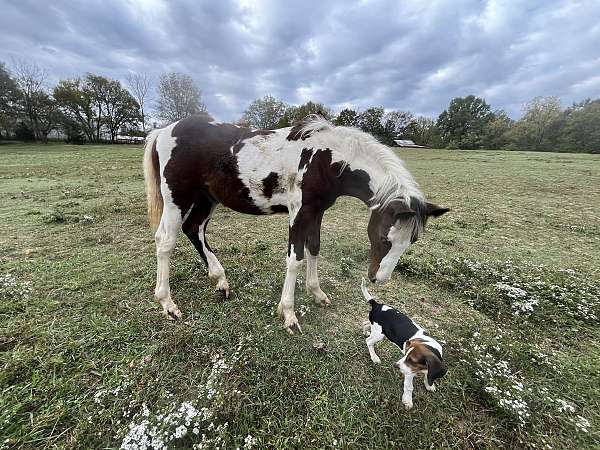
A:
(420, 358)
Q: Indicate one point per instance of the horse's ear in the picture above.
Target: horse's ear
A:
(434, 210)
(401, 210)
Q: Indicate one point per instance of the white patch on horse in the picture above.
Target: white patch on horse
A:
(170, 223)
(165, 143)
(400, 240)
(255, 163)
(187, 214)
(312, 280)
(215, 270)
(286, 304)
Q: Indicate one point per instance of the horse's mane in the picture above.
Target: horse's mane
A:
(353, 143)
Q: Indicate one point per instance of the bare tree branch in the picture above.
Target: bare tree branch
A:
(139, 85)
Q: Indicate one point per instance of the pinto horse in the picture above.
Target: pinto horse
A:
(196, 163)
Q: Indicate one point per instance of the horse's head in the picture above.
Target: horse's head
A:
(392, 228)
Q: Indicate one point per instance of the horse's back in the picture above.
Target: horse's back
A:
(205, 159)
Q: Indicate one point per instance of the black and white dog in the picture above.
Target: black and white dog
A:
(422, 353)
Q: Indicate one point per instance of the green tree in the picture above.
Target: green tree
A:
(423, 131)
(581, 131)
(178, 97)
(370, 121)
(265, 113)
(49, 116)
(98, 87)
(542, 115)
(496, 132)
(395, 125)
(77, 105)
(119, 107)
(462, 125)
(347, 118)
(9, 95)
(539, 127)
(295, 114)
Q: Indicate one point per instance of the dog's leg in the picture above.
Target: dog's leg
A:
(429, 387)
(366, 327)
(408, 390)
(375, 336)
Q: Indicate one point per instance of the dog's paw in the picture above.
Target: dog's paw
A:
(375, 359)
(408, 404)
(430, 388)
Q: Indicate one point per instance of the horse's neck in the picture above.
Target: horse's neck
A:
(357, 183)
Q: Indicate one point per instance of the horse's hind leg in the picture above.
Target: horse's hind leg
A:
(194, 228)
(166, 237)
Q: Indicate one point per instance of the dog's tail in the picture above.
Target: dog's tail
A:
(152, 180)
(363, 288)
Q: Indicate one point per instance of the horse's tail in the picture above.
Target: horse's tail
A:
(152, 180)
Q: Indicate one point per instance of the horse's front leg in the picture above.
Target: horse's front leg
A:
(313, 245)
(286, 304)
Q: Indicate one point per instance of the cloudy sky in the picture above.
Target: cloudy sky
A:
(410, 55)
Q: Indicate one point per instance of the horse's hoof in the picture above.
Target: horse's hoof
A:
(294, 329)
(320, 298)
(172, 313)
(323, 301)
(223, 287)
(291, 325)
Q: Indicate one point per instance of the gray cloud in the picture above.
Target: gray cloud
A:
(402, 55)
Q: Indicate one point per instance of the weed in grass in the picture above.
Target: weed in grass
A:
(13, 289)
(199, 416)
(505, 290)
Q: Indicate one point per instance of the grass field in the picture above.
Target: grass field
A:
(509, 280)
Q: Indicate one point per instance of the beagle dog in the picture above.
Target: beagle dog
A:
(422, 353)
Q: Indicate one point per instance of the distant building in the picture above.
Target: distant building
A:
(127, 139)
(407, 143)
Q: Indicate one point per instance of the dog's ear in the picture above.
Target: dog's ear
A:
(435, 368)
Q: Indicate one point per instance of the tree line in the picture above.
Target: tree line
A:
(94, 108)
(468, 123)
(89, 108)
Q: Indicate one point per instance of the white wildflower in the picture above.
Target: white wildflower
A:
(565, 406)
(249, 441)
(582, 424)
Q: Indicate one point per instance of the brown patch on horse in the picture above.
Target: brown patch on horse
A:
(279, 209)
(305, 158)
(270, 184)
(201, 161)
(322, 183)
